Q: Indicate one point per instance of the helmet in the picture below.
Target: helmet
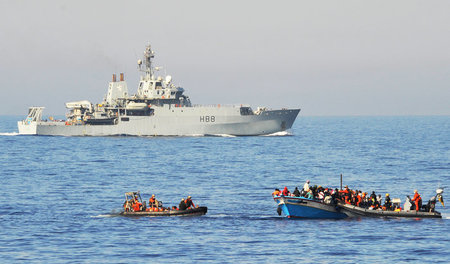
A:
(387, 194)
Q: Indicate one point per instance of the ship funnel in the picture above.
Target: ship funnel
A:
(114, 78)
(121, 77)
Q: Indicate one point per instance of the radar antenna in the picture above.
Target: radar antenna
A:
(149, 54)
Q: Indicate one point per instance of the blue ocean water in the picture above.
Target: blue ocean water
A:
(60, 194)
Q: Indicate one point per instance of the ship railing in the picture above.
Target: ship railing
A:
(221, 105)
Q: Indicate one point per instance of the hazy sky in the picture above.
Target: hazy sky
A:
(326, 57)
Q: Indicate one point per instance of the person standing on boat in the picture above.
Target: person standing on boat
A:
(387, 202)
(189, 202)
(417, 200)
(306, 187)
(379, 199)
(372, 199)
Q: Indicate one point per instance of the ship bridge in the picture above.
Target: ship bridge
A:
(158, 89)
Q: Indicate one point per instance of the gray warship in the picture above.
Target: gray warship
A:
(159, 108)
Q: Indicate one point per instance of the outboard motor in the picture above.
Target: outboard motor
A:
(439, 196)
(431, 205)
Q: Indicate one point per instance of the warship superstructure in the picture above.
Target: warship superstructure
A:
(159, 108)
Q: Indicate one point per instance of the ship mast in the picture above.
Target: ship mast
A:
(149, 54)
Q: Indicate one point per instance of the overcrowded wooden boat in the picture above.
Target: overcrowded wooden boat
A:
(356, 211)
(411, 208)
(317, 202)
(301, 207)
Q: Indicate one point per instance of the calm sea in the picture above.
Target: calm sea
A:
(59, 195)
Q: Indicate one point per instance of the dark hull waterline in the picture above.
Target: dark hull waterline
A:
(355, 211)
(189, 212)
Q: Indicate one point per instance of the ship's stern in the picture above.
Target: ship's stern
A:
(26, 127)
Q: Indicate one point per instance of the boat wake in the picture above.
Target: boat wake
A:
(113, 213)
(223, 135)
(9, 134)
(279, 134)
(104, 215)
(194, 135)
(445, 216)
(259, 217)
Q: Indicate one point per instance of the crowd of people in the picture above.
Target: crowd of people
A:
(348, 196)
(135, 205)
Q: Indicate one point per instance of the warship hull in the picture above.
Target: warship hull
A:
(173, 121)
(159, 108)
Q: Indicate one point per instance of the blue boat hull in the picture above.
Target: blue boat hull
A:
(299, 207)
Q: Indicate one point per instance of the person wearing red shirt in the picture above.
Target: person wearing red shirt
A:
(417, 200)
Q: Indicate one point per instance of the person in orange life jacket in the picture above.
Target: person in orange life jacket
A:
(417, 200)
(345, 194)
(137, 207)
(352, 198)
(152, 202)
(189, 202)
(358, 198)
(136, 204)
(277, 192)
(285, 191)
(182, 205)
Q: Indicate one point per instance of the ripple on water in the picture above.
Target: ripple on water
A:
(62, 195)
